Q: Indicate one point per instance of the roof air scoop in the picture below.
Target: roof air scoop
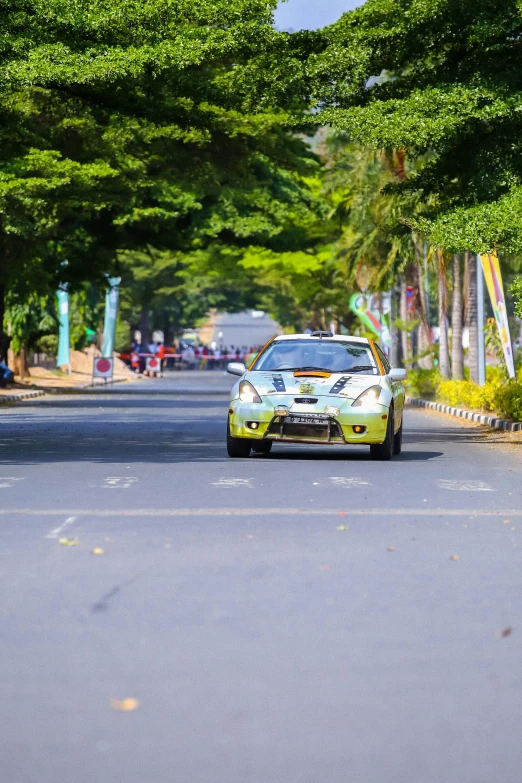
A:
(321, 334)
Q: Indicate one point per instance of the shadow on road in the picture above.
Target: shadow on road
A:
(448, 434)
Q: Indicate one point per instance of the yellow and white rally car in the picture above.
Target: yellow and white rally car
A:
(316, 388)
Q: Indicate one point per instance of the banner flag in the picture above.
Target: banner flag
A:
(493, 277)
(368, 308)
(63, 341)
(111, 315)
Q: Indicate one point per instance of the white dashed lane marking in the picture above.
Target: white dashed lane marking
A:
(348, 481)
(465, 486)
(233, 482)
(8, 481)
(119, 482)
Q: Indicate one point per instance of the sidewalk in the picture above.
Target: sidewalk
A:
(42, 382)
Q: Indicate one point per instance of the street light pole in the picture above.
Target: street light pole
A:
(480, 319)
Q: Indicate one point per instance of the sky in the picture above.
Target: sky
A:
(310, 14)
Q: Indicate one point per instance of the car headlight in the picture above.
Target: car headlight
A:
(247, 393)
(368, 398)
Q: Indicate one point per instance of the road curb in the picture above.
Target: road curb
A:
(6, 398)
(104, 386)
(480, 418)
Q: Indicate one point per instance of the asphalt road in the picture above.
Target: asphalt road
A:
(290, 618)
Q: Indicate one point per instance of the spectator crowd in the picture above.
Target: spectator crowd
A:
(188, 356)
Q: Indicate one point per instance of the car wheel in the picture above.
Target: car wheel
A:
(397, 441)
(262, 446)
(383, 451)
(237, 447)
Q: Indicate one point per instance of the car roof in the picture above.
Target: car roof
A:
(335, 338)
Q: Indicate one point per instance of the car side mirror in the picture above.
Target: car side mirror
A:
(236, 368)
(397, 374)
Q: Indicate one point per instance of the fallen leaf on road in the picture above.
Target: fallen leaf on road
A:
(390, 549)
(69, 542)
(96, 551)
(342, 527)
(506, 631)
(506, 521)
(454, 557)
(110, 540)
(464, 525)
(126, 705)
(342, 513)
(513, 528)
(324, 568)
(316, 483)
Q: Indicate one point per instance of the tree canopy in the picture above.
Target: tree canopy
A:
(131, 123)
(441, 80)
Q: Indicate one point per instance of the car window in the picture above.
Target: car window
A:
(327, 355)
(384, 360)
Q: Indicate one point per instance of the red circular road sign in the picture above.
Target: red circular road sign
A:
(153, 363)
(103, 365)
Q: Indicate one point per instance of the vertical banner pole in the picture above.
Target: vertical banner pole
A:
(111, 315)
(64, 358)
(480, 320)
(491, 268)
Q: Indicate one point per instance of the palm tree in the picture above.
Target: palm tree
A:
(472, 316)
(457, 354)
(444, 360)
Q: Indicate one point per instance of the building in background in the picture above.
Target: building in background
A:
(252, 327)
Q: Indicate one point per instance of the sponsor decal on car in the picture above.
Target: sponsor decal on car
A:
(306, 388)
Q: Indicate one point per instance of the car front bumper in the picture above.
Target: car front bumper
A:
(340, 430)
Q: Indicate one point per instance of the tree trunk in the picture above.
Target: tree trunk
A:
(403, 315)
(4, 340)
(457, 353)
(472, 313)
(144, 327)
(444, 363)
(425, 341)
(394, 332)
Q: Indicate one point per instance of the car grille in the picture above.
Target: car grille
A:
(313, 432)
(306, 400)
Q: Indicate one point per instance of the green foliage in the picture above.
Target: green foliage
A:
(423, 383)
(496, 395)
(516, 292)
(30, 318)
(441, 80)
(469, 394)
(131, 125)
(493, 345)
(508, 401)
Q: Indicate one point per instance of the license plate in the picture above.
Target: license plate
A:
(320, 421)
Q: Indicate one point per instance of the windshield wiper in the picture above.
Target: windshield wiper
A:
(306, 369)
(359, 368)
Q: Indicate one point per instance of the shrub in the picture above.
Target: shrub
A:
(423, 383)
(469, 394)
(503, 398)
(508, 401)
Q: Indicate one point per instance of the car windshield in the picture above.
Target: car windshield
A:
(327, 355)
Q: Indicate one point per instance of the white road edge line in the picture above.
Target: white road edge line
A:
(57, 530)
(260, 512)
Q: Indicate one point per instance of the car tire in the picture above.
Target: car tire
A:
(397, 441)
(384, 451)
(262, 446)
(237, 447)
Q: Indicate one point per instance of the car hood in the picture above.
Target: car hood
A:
(337, 384)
